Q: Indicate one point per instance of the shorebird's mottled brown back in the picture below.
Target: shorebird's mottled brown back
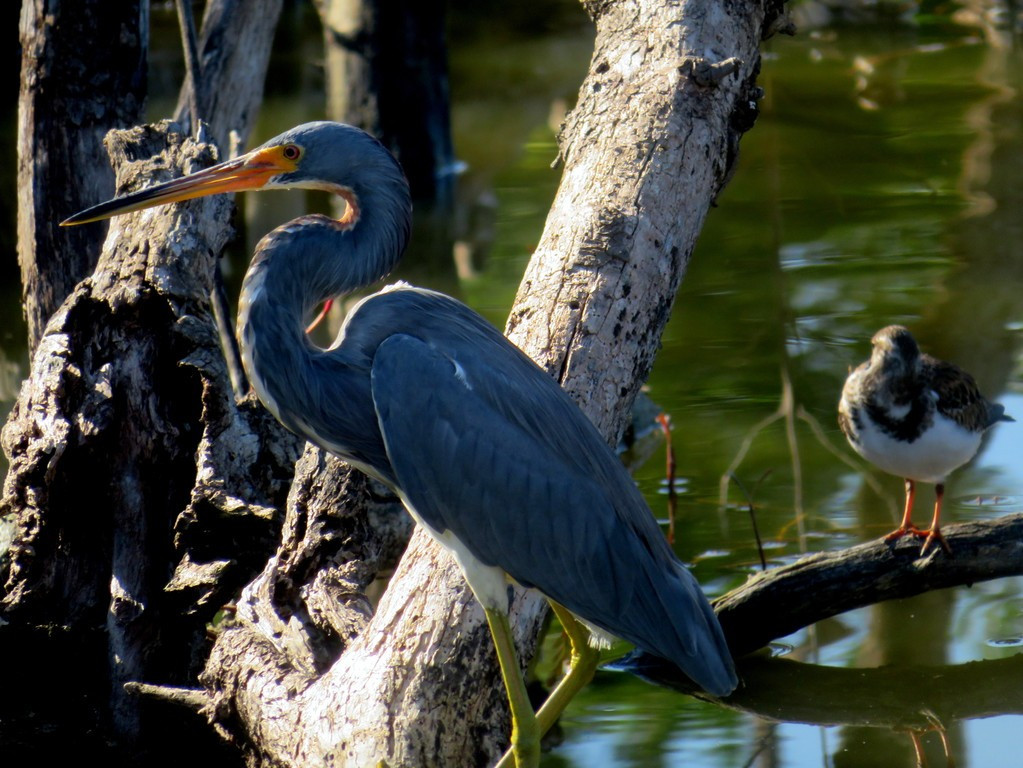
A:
(958, 397)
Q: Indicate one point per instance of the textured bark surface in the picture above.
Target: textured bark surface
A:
(144, 496)
(650, 145)
(70, 399)
(71, 95)
(127, 391)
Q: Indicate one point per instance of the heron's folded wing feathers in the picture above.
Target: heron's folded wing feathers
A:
(515, 502)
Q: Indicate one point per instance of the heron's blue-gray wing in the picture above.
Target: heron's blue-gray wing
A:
(505, 489)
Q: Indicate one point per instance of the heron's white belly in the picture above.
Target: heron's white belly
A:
(929, 458)
(488, 582)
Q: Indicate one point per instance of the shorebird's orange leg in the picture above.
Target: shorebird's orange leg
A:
(934, 532)
(907, 527)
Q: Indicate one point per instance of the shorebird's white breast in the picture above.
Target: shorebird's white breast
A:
(930, 458)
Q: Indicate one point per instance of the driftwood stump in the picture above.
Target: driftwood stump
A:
(134, 475)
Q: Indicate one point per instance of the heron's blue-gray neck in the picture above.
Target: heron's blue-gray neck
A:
(296, 267)
(314, 257)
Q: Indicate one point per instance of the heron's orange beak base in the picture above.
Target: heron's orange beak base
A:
(251, 171)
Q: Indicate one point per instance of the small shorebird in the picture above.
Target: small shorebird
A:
(916, 417)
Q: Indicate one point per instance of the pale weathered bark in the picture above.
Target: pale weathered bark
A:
(234, 51)
(649, 146)
(223, 91)
(72, 93)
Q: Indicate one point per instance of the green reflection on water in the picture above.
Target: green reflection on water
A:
(870, 192)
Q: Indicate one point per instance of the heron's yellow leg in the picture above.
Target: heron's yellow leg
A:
(525, 735)
(582, 665)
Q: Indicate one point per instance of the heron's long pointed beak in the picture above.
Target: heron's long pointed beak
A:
(250, 171)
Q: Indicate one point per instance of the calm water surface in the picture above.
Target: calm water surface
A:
(881, 184)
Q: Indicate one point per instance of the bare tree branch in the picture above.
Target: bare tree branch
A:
(234, 53)
(778, 602)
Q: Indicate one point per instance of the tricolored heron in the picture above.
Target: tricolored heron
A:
(482, 446)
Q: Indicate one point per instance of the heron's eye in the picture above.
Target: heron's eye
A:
(292, 152)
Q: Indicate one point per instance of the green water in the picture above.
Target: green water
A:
(881, 184)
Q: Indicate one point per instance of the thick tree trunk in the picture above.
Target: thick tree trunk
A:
(127, 392)
(72, 93)
(133, 472)
(649, 146)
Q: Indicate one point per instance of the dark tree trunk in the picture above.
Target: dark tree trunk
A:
(73, 90)
(387, 73)
(123, 541)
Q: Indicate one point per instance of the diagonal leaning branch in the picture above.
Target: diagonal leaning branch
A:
(777, 602)
(647, 149)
